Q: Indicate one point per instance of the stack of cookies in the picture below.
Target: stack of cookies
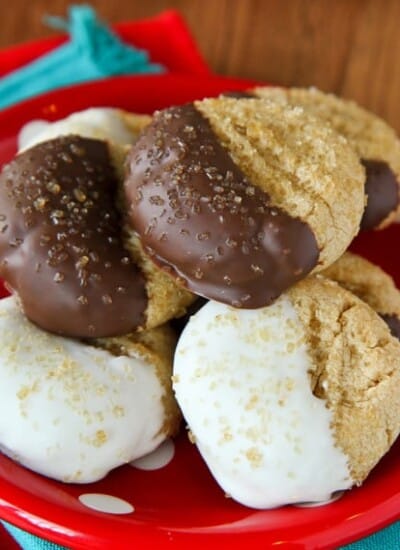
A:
(234, 214)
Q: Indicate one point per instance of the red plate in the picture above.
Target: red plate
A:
(180, 506)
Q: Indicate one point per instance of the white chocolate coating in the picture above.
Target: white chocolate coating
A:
(99, 123)
(240, 378)
(71, 411)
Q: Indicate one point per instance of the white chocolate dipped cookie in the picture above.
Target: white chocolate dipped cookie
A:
(74, 411)
(115, 125)
(292, 402)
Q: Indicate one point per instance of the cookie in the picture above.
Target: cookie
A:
(370, 283)
(240, 199)
(73, 411)
(291, 402)
(115, 125)
(63, 247)
(374, 140)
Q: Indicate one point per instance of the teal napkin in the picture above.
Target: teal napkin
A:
(93, 52)
(29, 542)
(388, 539)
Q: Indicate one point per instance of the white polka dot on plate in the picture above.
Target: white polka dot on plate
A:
(333, 498)
(106, 503)
(158, 458)
(29, 131)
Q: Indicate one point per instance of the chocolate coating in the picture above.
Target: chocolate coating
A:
(238, 94)
(393, 323)
(383, 192)
(60, 243)
(199, 217)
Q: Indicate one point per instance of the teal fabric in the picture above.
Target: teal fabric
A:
(387, 539)
(29, 542)
(92, 52)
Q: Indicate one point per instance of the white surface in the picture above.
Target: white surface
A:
(106, 503)
(71, 411)
(240, 377)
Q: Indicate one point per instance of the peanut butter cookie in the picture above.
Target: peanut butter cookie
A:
(291, 402)
(370, 283)
(239, 199)
(373, 139)
(74, 410)
(64, 249)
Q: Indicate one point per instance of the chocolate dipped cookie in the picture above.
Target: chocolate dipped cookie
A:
(240, 199)
(370, 283)
(292, 402)
(64, 249)
(373, 139)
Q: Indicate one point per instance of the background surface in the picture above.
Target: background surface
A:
(350, 47)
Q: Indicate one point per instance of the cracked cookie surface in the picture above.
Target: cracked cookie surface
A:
(370, 283)
(356, 370)
(372, 138)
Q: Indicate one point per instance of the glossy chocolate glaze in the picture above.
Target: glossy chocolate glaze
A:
(201, 218)
(383, 193)
(393, 323)
(60, 240)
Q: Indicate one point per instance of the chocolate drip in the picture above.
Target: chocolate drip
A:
(393, 323)
(60, 242)
(383, 192)
(201, 218)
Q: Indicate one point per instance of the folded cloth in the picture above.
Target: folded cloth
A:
(93, 52)
(165, 36)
